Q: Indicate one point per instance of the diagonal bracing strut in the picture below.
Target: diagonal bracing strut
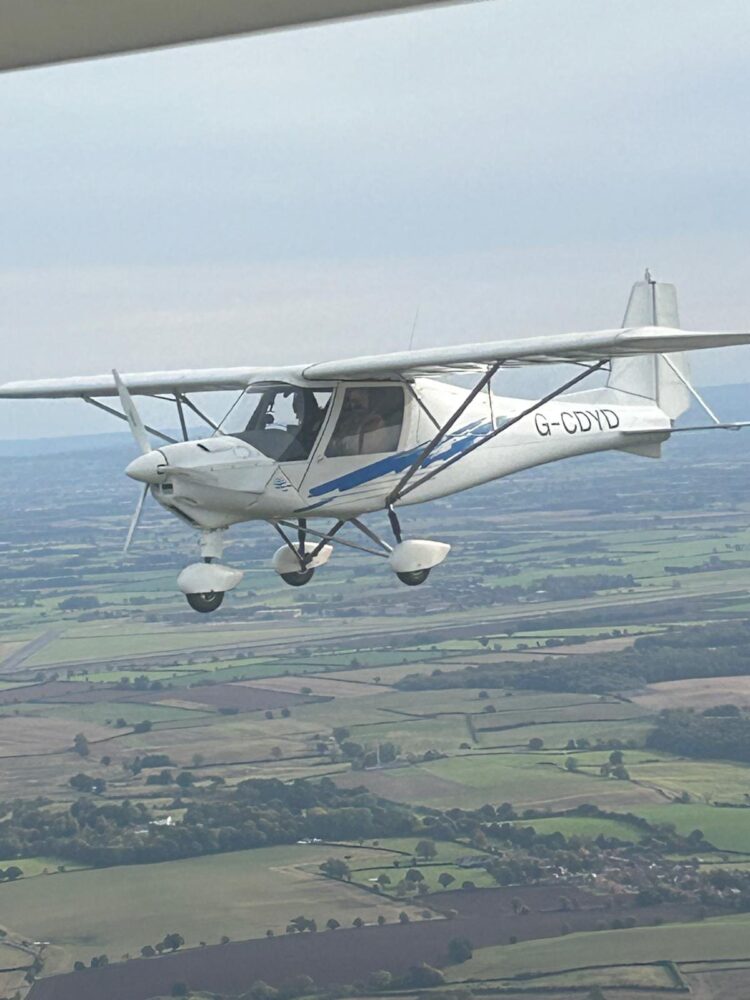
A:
(405, 486)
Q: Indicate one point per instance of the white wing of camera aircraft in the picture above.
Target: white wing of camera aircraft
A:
(313, 448)
(41, 32)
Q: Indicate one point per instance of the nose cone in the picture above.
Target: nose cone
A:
(147, 468)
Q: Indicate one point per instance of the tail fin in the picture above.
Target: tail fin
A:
(653, 303)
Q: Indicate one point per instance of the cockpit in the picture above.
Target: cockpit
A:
(281, 422)
(284, 422)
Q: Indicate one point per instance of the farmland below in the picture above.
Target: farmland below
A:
(529, 773)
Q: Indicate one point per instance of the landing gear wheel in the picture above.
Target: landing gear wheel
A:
(414, 578)
(205, 603)
(299, 578)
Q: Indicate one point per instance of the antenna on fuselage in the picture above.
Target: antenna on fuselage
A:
(414, 327)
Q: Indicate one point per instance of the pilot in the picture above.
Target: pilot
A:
(309, 416)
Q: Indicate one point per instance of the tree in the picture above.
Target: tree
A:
(445, 879)
(81, 745)
(571, 764)
(172, 942)
(426, 849)
(384, 879)
(459, 950)
(336, 868)
(358, 922)
(185, 779)
(79, 966)
(403, 917)
(148, 951)
(332, 924)
(616, 757)
(381, 920)
(414, 875)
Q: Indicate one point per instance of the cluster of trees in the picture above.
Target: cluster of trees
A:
(255, 813)
(705, 734)
(170, 942)
(85, 783)
(675, 655)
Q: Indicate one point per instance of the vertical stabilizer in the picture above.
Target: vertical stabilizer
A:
(650, 377)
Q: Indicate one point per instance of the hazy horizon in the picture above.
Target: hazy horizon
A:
(507, 169)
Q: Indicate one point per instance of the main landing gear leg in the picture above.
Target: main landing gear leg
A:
(413, 559)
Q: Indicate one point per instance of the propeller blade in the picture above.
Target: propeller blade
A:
(134, 418)
(136, 519)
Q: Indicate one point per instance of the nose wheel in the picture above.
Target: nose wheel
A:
(205, 603)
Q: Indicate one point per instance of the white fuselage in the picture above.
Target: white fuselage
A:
(222, 480)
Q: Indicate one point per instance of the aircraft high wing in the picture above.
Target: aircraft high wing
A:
(40, 32)
(578, 348)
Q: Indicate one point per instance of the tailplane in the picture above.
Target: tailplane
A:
(653, 376)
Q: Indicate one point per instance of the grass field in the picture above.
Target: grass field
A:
(588, 827)
(524, 779)
(240, 894)
(726, 829)
(725, 937)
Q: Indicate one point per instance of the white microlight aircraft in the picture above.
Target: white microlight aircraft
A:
(338, 440)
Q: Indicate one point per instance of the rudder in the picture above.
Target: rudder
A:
(649, 376)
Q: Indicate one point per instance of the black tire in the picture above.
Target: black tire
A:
(299, 578)
(205, 603)
(414, 578)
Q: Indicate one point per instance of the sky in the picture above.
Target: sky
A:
(505, 168)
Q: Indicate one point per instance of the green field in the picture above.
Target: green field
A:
(725, 937)
(242, 894)
(726, 829)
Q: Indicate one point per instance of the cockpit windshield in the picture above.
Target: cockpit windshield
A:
(282, 422)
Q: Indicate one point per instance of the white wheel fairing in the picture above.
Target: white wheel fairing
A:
(417, 554)
(206, 578)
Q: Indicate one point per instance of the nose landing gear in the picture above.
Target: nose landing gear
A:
(205, 583)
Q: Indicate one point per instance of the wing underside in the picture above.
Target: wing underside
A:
(576, 348)
(40, 32)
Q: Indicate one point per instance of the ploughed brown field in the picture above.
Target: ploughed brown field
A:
(485, 917)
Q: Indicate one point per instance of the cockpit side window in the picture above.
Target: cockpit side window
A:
(285, 422)
(369, 423)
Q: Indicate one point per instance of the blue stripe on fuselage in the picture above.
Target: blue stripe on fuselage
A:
(452, 445)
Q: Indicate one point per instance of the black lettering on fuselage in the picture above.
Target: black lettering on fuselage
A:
(578, 421)
(543, 428)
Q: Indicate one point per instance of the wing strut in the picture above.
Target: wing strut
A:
(405, 486)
